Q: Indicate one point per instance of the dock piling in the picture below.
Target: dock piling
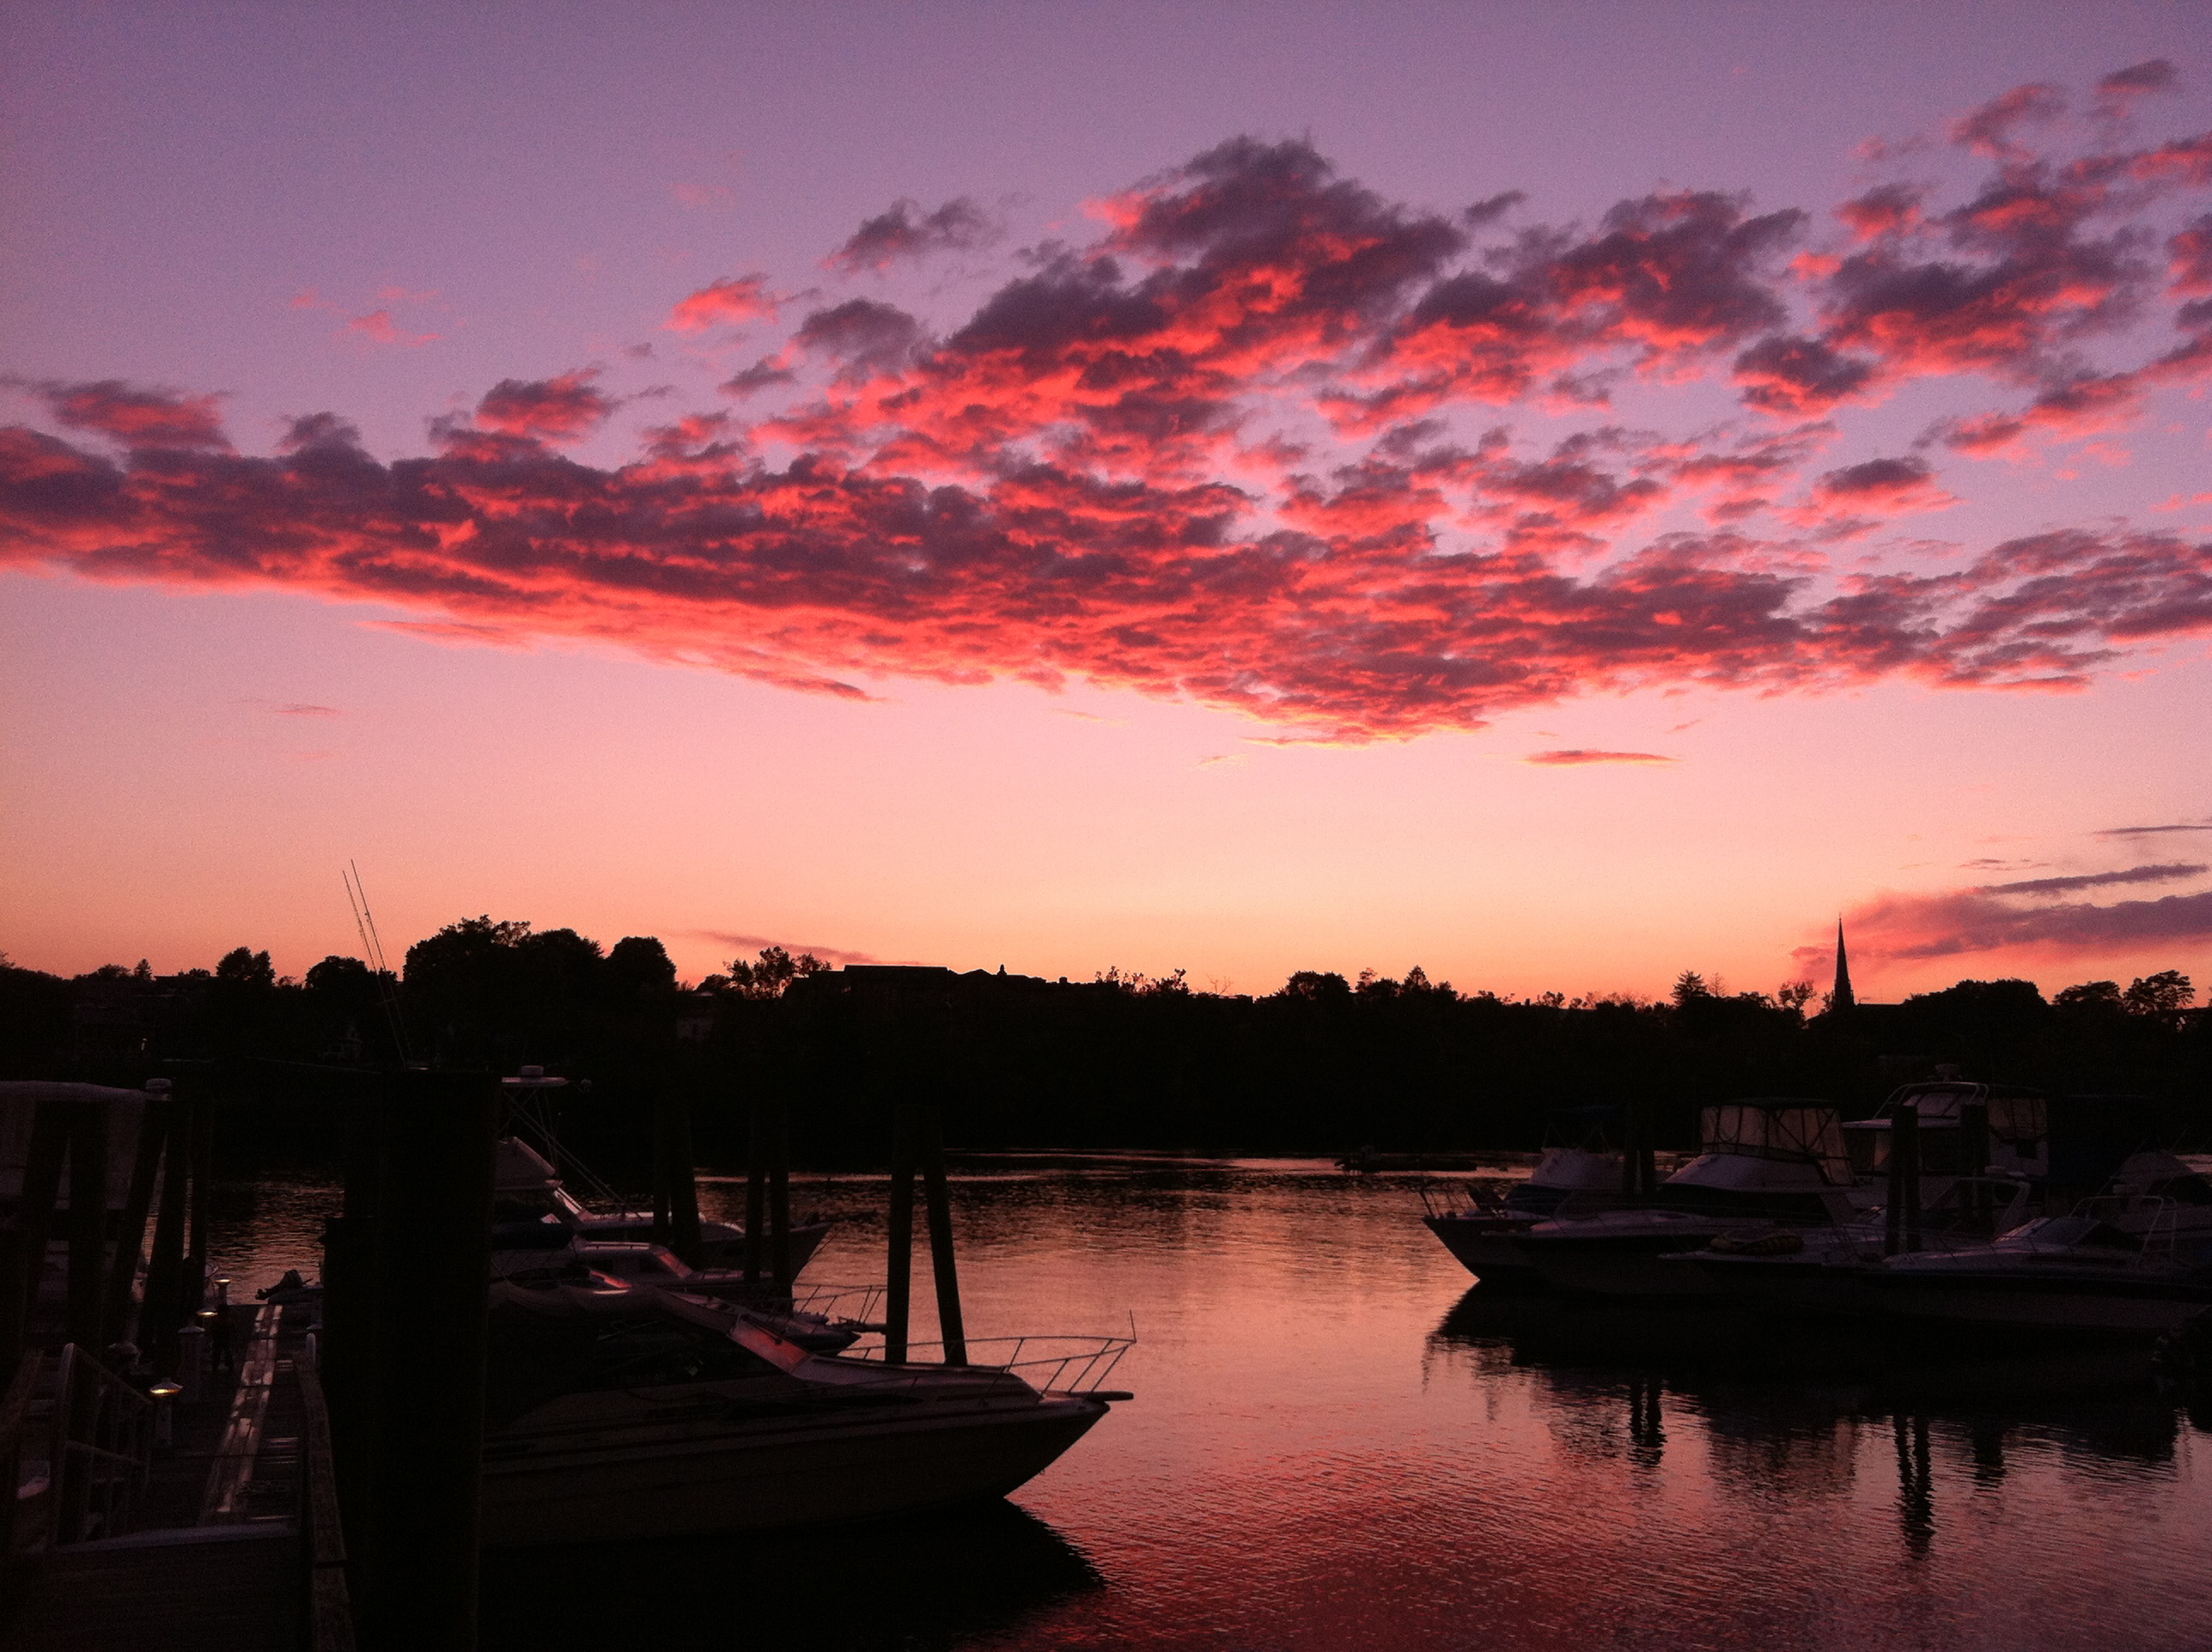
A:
(898, 1300)
(87, 1225)
(950, 1326)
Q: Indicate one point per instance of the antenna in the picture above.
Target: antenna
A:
(364, 923)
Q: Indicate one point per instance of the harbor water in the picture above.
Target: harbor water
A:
(1336, 1443)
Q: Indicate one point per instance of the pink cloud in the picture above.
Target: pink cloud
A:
(1089, 477)
(731, 302)
(1576, 756)
(379, 328)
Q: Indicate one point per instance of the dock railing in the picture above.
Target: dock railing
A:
(1050, 1364)
(99, 1452)
(328, 1606)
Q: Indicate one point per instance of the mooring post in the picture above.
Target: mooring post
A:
(88, 1226)
(683, 1236)
(162, 1313)
(779, 1195)
(1893, 1203)
(130, 1237)
(663, 1232)
(196, 1260)
(1631, 1163)
(351, 1361)
(1907, 1129)
(1974, 1154)
(12, 1296)
(434, 1248)
(42, 1184)
(950, 1326)
(755, 1189)
(898, 1299)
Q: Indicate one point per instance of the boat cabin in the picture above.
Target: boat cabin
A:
(2018, 1133)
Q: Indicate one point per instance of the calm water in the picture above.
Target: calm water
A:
(1336, 1445)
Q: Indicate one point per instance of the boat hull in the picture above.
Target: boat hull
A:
(1797, 1287)
(695, 1476)
(1612, 1263)
(2040, 1303)
(1486, 1246)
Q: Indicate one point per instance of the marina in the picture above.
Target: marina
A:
(1566, 1471)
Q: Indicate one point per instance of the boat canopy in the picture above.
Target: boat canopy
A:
(2016, 1115)
(1802, 1131)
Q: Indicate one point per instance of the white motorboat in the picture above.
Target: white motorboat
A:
(820, 1318)
(1481, 1231)
(527, 1189)
(1763, 1164)
(619, 1413)
(2135, 1262)
(1821, 1272)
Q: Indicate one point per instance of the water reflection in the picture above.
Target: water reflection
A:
(1783, 1408)
(1337, 1445)
(916, 1585)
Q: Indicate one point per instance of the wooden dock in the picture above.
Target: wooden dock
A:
(227, 1551)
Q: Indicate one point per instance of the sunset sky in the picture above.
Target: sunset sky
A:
(1556, 496)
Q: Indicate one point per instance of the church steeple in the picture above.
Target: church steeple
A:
(1840, 998)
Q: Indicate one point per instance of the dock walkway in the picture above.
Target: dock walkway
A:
(217, 1560)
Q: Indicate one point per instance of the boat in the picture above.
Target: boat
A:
(624, 1412)
(2135, 1262)
(1480, 1232)
(528, 1189)
(1821, 1272)
(1764, 1164)
(820, 1318)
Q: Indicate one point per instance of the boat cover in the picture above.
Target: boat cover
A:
(1800, 1132)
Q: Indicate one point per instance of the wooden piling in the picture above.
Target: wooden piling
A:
(88, 1226)
(1631, 1141)
(1905, 1129)
(951, 1325)
(681, 1174)
(42, 1184)
(130, 1234)
(434, 1265)
(779, 1193)
(203, 1196)
(1893, 1201)
(756, 1190)
(898, 1290)
(12, 1304)
(1974, 1155)
(163, 1310)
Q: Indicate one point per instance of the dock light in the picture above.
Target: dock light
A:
(161, 1393)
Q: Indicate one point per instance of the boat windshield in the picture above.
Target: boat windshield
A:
(1803, 1133)
(2080, 1232)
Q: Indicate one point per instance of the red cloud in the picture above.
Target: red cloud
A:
(731, 302)
(561, 410)
(1113, 469)
(379, 327)
(137, 417)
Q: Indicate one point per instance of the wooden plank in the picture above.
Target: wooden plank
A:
(224, 1501)
(237, 1590)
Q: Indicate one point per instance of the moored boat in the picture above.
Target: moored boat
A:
(629, 1413)
(1764, 1163)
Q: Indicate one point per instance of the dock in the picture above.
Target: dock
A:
(207, 1542)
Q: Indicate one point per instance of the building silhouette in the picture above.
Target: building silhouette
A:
(1841, 997)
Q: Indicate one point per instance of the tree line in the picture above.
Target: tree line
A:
(1323, 1063)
